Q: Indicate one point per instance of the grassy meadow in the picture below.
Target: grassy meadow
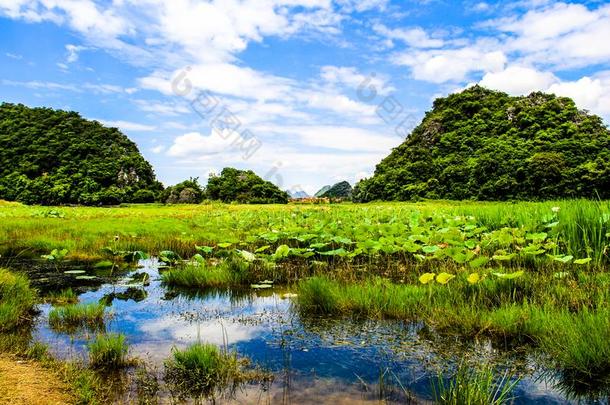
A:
(527, 274)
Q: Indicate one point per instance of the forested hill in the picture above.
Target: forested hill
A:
(486, 145)
(57, 157)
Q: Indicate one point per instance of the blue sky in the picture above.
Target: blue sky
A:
(283, 87)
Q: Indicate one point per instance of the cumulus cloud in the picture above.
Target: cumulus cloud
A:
(443, 65)
(592, 94)
(195, 145)
(518, 80)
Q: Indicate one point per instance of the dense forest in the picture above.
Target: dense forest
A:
(58, 157)
(243, 186)
(486, 145)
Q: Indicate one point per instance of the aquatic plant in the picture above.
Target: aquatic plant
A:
(202, 371)
(578, 343)
(108, 351)
(56, 256)
(63, 297)
(473, 386)
(72, 317)
(17, 300)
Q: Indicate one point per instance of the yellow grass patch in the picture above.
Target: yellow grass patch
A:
(25, 382)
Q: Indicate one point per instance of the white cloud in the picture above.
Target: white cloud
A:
(157, 149)
(592, 94)
(339, 138)
(443, 65)
(352, 78)
(73, 51)
(363, 5)
(35, 84)
(168, 108)
(98, 88)
(518, 80)
(196, 145)
(558, 34)
(414, 37)
(13, 56)
(224, 78)
(128, 126)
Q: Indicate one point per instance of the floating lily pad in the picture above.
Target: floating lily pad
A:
(260, 286)
(103, 264)
(86, 277)
(75, 272)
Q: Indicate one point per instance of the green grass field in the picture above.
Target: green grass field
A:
(578, 228)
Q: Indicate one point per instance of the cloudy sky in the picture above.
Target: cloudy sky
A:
(304, 92)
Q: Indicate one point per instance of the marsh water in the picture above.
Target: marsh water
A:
(313, 360)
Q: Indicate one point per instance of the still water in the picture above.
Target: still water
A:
(313, 360)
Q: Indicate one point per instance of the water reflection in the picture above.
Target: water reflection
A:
(314, 359)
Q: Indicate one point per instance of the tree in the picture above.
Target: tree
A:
(243, 186)
(187, 192)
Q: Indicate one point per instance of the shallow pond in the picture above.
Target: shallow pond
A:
(313, 360)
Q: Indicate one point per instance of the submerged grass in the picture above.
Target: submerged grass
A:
(108, 352)
(73, 317)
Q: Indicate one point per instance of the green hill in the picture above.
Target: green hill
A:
(57, 157)
(340, 190)
(322, 191)
(486, 145)
(243, 186)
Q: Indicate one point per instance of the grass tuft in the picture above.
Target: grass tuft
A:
(17, 301)
(64, 297)
(201, 371)
(72, 317)
(473, 387)
(108, 352)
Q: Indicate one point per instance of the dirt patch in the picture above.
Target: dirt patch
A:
(26, 382)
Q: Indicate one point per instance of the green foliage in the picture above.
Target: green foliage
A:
(108, 352)
(17, 300)
(200, 371)
(71, 317)
(244, 186)
(473, 386)
(52, 157)
(187, 192)
(579, 343)
(486, 145)
(64, 297)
